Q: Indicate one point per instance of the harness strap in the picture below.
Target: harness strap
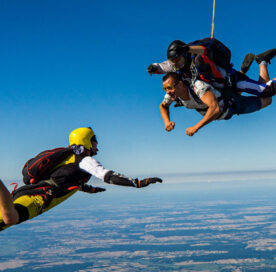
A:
(196, 98)
(15, 187)
(215, 71)
(73, 188)
(197, 73)
(227, 102)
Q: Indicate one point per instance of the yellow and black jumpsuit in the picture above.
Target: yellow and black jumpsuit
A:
(34, 199)
(67, 178)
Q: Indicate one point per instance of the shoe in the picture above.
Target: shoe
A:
(248, 59)
(266, 56)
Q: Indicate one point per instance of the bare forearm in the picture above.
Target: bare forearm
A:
(165, 114)
(211, 115)
(197, 50)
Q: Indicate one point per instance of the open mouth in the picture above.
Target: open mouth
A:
(173, 96)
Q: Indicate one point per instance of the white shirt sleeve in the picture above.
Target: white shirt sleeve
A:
(167, 99)
(200, 87)
(93, 167)
(165, 67)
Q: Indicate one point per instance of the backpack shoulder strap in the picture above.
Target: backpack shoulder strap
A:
(193, 94)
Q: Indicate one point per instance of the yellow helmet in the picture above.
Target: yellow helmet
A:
(82, 136)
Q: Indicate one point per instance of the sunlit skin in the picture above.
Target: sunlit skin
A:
(7, 210)
(179, 89)
(175, 89)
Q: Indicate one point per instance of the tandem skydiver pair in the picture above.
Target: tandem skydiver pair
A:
(200, 76)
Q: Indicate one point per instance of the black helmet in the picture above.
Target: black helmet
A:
(175, 50)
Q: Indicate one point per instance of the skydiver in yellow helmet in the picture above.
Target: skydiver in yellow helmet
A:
(68, 177)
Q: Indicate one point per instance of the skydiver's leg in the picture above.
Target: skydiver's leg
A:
(249, 104)
(266, 101)
(257, 88)
(263, 76)
(27, 202)
(247, 61)
(266, 56)
(262, 88)
(9, 213)
(262, 58)
(270, 89)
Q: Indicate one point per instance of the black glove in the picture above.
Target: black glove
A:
(95, 190)
(147, 181)
(152, 69)
(90, 189)
(112, 177)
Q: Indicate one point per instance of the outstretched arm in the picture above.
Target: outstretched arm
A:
(91, 189)
(93, 167)
(197, 49)
(165, 114)
(118, 179)
(167, 66)
(212, 113)
(160, 68)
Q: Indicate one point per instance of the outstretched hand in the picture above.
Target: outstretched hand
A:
(152, 68)
(147, 181)
(169, 126)
(91, 190)
(191, 131)
(95, 190)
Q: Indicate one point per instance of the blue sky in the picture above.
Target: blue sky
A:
(67, 64)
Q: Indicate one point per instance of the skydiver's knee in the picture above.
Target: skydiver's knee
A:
(266, 101)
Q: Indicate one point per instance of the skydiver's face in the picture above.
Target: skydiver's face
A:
(179, 62)
(173, 88)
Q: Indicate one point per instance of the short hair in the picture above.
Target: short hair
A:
(173, 75)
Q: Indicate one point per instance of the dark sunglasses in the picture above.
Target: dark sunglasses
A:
(170, 87)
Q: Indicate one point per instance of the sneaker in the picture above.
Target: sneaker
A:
(248, 59)
(266, 56)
